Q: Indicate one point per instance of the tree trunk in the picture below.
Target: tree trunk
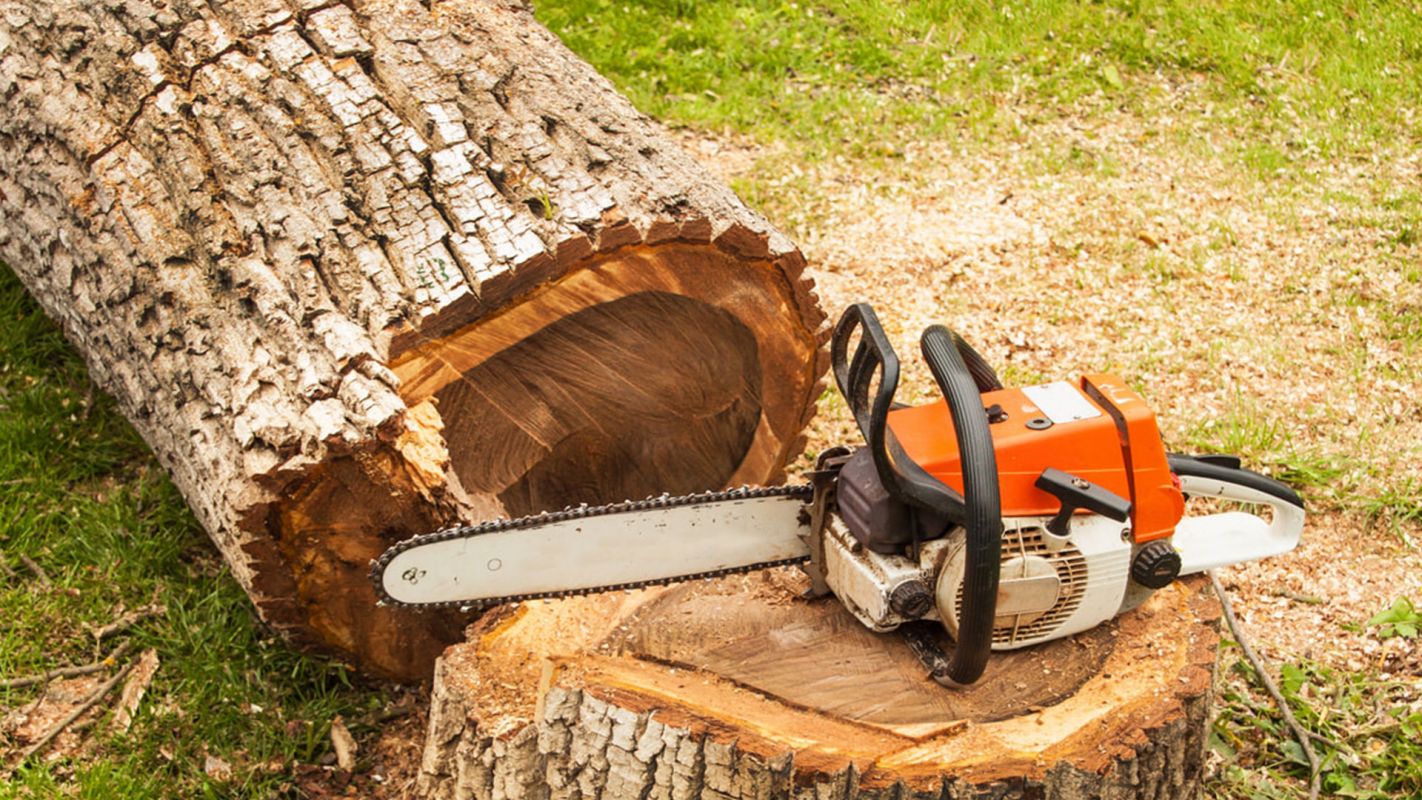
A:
(359, 270)
(737, 688)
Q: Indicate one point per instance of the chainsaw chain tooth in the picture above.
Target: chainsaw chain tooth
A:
(582, 511)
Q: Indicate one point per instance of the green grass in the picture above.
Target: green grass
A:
(1368, 735)
(863, 77)
(84, 498)
(1262, 442)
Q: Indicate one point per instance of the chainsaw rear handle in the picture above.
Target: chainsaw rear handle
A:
(983, 556)
(1233, 537)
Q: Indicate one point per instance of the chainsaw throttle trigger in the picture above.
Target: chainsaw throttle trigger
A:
(1077, 493)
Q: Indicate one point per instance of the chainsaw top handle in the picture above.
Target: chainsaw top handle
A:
(961, 375)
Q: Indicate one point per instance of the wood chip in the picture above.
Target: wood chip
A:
(133, 690)
(217, 768)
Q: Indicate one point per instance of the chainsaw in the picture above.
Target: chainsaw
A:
(1007, 516)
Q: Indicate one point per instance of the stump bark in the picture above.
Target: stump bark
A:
(359, 270)
(738, 688)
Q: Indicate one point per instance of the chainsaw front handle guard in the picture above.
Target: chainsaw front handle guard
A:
(983, 374)
(942, 350)
(961, 375)
(1233, 537)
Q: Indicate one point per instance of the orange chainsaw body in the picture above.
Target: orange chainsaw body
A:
(1119, 448)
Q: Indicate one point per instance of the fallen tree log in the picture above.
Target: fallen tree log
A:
(359, 270)
(740, 689)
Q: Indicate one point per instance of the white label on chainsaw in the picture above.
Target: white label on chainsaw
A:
(1061, 402)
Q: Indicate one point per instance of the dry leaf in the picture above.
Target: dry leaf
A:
(343, 743)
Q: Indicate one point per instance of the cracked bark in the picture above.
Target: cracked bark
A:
(737, 689)
(358, 270)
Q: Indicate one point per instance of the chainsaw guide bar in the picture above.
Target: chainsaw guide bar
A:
(801, 493)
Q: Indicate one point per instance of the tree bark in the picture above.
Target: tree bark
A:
(359, 270)
(739, 689)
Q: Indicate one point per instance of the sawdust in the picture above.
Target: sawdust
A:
(1262, 309)
(395, 756)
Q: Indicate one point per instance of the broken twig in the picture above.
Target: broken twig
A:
(1302, 736)
(130, 619)
(67, 672)
(36, 569)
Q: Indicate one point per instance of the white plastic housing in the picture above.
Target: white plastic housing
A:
(1092, 566)
(864, 580)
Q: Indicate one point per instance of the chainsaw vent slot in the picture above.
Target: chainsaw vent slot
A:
(1039, 587)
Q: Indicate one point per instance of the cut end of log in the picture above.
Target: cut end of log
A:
(678, 367)
(650, 369)
(738, 687)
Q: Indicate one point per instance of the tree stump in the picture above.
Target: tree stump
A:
(360, 270)
(738, 688)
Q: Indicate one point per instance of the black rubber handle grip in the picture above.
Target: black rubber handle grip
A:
(855, 375)
(983, 374)
(1212, 467)
(983, 501)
